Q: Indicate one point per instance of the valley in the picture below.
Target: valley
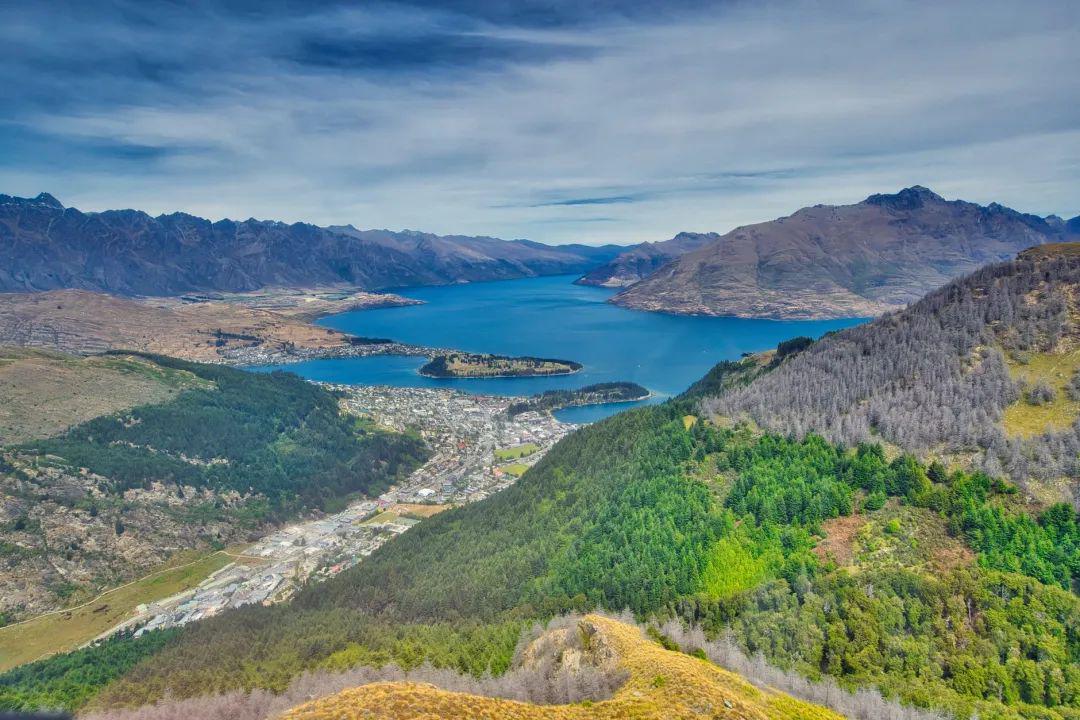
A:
(465, 433)
(213, 463)
(469, 437)
(514, 516)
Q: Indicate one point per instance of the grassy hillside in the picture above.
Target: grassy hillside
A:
(942, 588)
(66, 629)
(1030, 416)
(43, 394)
(276, 436)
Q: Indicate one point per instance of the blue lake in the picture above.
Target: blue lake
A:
(551, 317)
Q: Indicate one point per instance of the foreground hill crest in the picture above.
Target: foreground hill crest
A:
(660, 684)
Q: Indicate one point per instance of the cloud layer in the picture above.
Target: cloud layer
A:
(523, 119)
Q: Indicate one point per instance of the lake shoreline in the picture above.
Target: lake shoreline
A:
(541, 317)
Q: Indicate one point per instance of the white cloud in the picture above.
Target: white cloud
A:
(733, 115)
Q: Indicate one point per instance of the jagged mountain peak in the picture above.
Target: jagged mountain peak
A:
(910, 198)
(42, 198)
(45, 198)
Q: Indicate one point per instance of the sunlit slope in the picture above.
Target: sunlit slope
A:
(44, 393)
(661, 684)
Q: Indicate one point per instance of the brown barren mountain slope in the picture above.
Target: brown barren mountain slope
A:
(78, 321)
(661, 684)
(841, 261)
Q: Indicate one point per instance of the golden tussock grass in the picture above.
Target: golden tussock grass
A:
(662, 684)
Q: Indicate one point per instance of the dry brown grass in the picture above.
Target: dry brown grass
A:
(839, 542)
(85, 322)
(416, 510)
(44, 393)
(662, 684)
(1051, 250)
(1023, 419)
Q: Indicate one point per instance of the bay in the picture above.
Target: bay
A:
(553, 318)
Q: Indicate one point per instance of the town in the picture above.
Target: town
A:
(477, 450)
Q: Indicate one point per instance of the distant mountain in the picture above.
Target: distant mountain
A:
(45, 246)
(641, 261)
(848, 260)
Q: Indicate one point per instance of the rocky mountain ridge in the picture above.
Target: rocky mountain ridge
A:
(45, 246)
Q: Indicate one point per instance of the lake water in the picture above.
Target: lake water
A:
(551, 317)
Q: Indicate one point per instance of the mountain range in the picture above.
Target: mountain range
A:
(830, 261)
(45, 246)
(821, 262)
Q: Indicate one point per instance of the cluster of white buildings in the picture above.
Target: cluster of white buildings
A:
(464, 431)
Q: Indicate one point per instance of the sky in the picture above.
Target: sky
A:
(579, 121)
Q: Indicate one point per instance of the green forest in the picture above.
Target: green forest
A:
(721, 527)
(273, 435)
(608, 392)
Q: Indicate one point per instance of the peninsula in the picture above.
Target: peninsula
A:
(470, 365)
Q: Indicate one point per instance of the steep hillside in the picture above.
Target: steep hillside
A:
(936, 586)
(179, 456)
(45, 246)
(841, 261)
(982, 372)
(643, 260)
(42, 394)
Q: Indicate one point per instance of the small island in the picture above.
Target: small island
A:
(469, 365)
(597, 394)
